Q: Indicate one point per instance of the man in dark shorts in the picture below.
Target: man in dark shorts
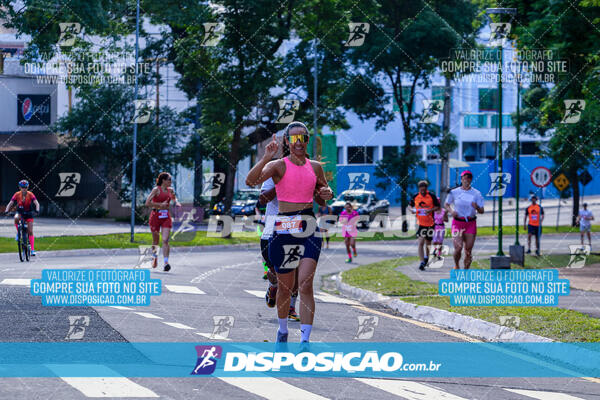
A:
(424, 204)
(535, 214)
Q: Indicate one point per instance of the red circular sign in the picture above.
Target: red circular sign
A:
(541, 176)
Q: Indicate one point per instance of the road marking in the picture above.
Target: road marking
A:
(272, 389)
(184, 289)
(148, 315)
(211, 336)
(409, 390)
(541, 395)
(109, 387)
(178, 325)
(257, 293)
(121, 308)
(328, 298)
(208, 273)
(421, 324)
(16, 282)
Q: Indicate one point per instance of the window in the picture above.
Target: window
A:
(433, 152)
(475, 121)
(488, 99)
(361, 155)
(529, 148)
(506, 120)
(390, 151)
(340, 155)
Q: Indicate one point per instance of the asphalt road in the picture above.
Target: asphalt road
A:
(227, 282)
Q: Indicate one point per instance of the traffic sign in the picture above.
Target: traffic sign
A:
(585, 177)
(561, 182)
(541, 176)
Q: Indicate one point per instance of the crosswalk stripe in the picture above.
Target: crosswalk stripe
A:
(272, 389)
(177, 325)
(409, 390)
(211, 336)
(109, 387)
(121, 308)
(257, 293)
(148, 315)
(16, 282)
(184, 289)
(542, 395)
(324, 297)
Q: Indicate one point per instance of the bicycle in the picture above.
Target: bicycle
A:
(22, 239)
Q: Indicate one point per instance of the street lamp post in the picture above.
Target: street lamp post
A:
(133, 165)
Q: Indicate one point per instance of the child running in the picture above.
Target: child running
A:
(348, 219)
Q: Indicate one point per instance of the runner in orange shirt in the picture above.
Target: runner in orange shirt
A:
(535, 213)
(425, 204)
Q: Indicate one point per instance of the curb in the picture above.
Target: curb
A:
(458, 322)
(135, 251)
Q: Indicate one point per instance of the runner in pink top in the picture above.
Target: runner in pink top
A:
(348, 219)
(439, 219)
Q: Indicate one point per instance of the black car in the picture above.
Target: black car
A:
(364, 202)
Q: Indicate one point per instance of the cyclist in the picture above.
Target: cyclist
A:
(160, 218)
(296, 179)
(23, 200)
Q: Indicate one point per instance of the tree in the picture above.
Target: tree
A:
(407, 41)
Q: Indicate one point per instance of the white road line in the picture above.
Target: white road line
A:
(184, 289)
(409, 390)
(16, 282)
(272, 389)
(208, 273)
(324, 297)
(102, 386)
(148, 315)
(257, 293)
(121, 308)
(211, 336)
(177, 325)
(109, 387)
(541, 395)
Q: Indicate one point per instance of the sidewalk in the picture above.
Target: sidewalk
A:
(585, 284)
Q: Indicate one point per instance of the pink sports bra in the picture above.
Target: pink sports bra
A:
(297, 184)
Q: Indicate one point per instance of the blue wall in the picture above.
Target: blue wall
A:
(481, 178)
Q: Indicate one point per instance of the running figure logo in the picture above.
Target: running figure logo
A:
(143, 110)
(68, 183)
(431, 111)
(147, 255)
(579, 255)
(213, 33)
(207, 359)
(222, 326)
(287, 111)
(511, 323)
(358, 181)
(68, 33)
(212, 183)
(183, 229)
(499, 33)
(358, 33)
(77, 325)
(366, 326)
(573, 110)
(499, 183)
(292, 255)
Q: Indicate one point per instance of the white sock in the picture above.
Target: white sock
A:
(293, 301)
(166, 260)
(283, 325)
(305, 332)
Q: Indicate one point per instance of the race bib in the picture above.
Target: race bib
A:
(534, 217)
(163, 214)
(285, 224)
(421, 211)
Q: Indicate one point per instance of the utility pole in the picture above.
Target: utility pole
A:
(445, 172)
(315, 128)
(198, 151)
(133, 166)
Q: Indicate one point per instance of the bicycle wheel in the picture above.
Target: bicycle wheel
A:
(21, 249)
(25, 245)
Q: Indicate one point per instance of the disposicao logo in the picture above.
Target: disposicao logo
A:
(207, 359)
(27, 109)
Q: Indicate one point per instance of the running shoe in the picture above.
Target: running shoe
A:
(348, 260)
(528, 251)
(355, 253)
(292, 316)
(33, 253)
(167, 267)
(281, 337)
(537, 253)
(270, 296)
(422, 266)
(154, 262)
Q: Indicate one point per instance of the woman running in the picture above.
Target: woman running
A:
(440, 217)
(348, 219)
(466, 201)
(293, 244)
(324, 211)
(160, 218)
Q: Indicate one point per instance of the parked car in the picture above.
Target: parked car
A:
(244, 202)
(364, 202)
